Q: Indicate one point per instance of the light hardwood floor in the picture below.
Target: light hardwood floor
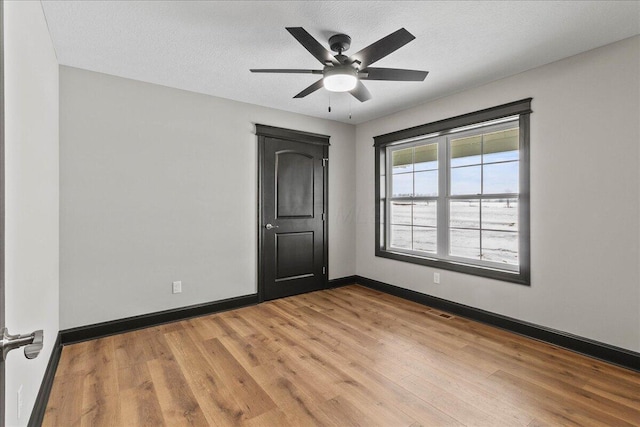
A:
(347, 356)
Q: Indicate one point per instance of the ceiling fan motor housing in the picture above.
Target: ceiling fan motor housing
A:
(339, 42)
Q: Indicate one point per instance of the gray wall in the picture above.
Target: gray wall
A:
(585, 139)
(31, 185)
(159, 184)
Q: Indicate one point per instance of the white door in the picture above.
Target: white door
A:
(29, 226)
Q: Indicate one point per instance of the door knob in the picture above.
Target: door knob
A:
(269, 226)
(32, 343)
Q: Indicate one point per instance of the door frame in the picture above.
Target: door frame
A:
(263, 132)
(2, 207)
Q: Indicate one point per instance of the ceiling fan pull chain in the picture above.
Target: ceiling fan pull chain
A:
(329, 101)
(350, 103)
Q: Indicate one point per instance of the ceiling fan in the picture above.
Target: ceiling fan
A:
(343, 73)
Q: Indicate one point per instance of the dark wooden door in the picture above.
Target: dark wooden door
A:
(293, 208)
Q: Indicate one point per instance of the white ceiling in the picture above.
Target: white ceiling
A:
(209, 46)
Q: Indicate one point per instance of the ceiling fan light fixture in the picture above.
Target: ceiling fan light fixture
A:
(340, 79)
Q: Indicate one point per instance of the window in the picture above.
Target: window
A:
(454, 194)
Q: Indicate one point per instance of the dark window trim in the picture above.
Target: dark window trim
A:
(511, 109)
(521, 108)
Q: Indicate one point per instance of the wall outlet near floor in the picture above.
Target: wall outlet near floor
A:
(436, 278)
(20, 401)
(177, 287)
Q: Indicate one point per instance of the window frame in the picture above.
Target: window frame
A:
(518, 110)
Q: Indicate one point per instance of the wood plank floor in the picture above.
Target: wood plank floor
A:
(347, 356)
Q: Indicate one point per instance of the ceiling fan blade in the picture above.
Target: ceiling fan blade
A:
(382, 48)
(395, 74)
(361, 93)
(312, 45)
(284, 70)
(314, 87)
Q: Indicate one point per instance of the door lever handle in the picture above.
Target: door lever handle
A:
(33, 350)
(32, 343)
(269, 226)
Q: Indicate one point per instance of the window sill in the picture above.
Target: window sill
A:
(522, 278)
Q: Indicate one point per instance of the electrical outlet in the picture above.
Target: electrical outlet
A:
(177, 287)
(436, 278)
(20, 401)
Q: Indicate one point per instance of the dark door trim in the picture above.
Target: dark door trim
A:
(292, 135)
(263, 132)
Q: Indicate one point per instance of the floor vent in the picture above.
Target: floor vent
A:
(446, 316)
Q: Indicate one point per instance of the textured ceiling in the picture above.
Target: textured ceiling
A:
(209, 47)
